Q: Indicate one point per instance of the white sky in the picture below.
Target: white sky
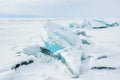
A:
(60, 8)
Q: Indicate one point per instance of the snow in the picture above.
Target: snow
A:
(21, 41)
(7, 75)
(106, 38)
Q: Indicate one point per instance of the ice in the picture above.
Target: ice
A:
(73, 64)
(59, 37)
(32, 50)
(58, 52)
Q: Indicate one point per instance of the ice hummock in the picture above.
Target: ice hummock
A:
(72, 64)
(59, 37)
(43, 69)
(64, 44)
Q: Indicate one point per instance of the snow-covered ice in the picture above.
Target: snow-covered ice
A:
(77, 51)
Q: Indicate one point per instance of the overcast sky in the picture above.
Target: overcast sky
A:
(60, 8)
